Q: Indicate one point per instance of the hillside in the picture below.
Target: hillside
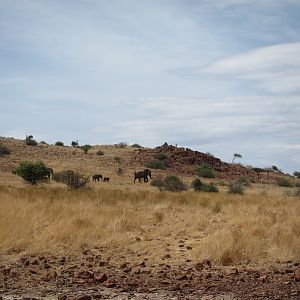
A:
(180, 161)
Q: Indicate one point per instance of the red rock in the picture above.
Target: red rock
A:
(33, 270)
(110, 284)
(84, 297)
(297, 275)
(181, 277)
(136, 270)
(100, 278)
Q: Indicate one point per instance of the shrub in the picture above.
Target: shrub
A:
(32, 172)
(59, 143)
(117, 159)
(209, 188)
(297, 184)
(284, 182)
(136, 145)
(160, 156)
(85, 148)
(244, 180)
(43, 143)
(73, 180)
(173, 183)
(236, 188)
(156, 164)
(121, 145)
(198, 186)
(205, 171)
(4, 151)
(29, 141)
(100, 153)
(158, 182)
(297, 174)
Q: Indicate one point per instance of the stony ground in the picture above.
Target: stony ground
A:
(93, 275)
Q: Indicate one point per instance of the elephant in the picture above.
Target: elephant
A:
(142, 174)
(97, 177)
(106, 179)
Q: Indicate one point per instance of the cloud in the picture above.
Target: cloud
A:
(276, 68)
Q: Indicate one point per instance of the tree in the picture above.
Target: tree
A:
(75, 144)
(274, 168)
(32, 171)
(297, 174)
(236, 155)
(86, 148)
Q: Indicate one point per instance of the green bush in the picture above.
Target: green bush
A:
(135, 145)
(205, 171)
(284, 182)
(156, 164)
(173, 183)
(297, 174)
(43, 143)
(73, 180)
(236, 188)
(158, 182)
(85, 148)
(117, 159)
(32, 172)
(100, 153)
(4, 151)
(75, 144)
(160, 156)
(244, 180)
(59, 143)
(31, 142)
(199, 186)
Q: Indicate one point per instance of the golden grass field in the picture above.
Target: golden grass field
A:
(260, 227)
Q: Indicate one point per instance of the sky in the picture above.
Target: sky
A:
(217, 76)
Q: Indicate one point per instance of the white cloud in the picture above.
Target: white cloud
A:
(275, 68)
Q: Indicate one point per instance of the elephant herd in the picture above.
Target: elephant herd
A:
(137, 175)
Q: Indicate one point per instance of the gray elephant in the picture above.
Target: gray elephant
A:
(142, 174)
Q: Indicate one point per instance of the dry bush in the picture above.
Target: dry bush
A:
(225, 229)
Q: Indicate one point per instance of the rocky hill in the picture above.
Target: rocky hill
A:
(180, 161)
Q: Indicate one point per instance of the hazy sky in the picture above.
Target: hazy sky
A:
(219, 76)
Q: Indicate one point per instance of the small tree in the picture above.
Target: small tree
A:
(86, 148)
(236, 155)
(297, 174)
(4, 151)
(275, 168)
(32, 172)
(75, 144)
(59, 143)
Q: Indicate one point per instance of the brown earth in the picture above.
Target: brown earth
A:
(93, 275)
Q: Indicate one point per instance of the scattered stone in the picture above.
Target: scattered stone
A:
(100, 278)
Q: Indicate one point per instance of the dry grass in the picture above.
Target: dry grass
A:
(228, 229)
